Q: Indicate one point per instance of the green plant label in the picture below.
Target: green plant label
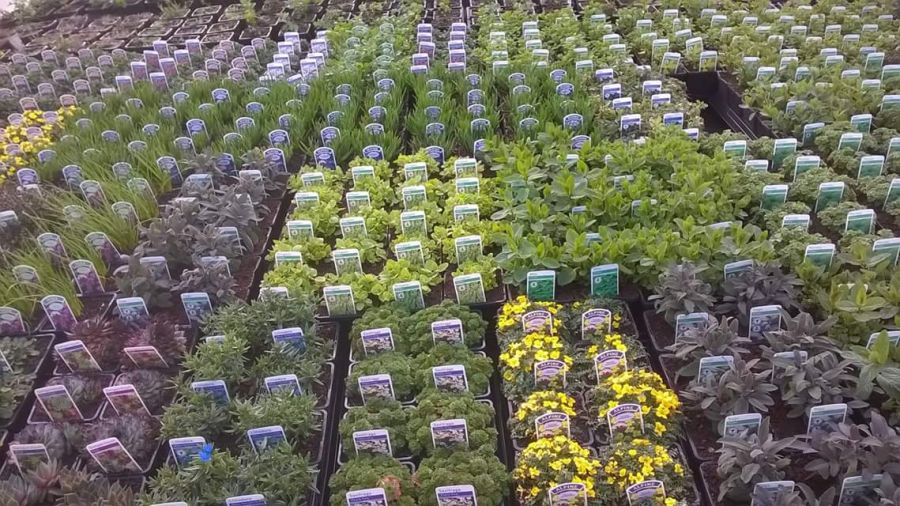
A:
(820, 255)
(372, 442)
(58, 404)
(376, 386)
(306, 200)
(466, 212)
(893, 192)
(77, 357)
(805, 164)
(658, 47)
(413, 223)
(830, 194)
(362, 173)
(410, 251)
(795, 220)
(339, 299)
(28, 457)
(467, 185)
(465, 167)
(185, 449)
(456, 495)
(448, 332)
(284, 383)
(11, 322)
(126, 400)
(346, 261)
(687, 322)
(773, 196)
(740, 425)
(810, 130)
(197, 305)
(288, 257)
(783, 149)
(416, 170)
(826, 418)
(625, 417)
(889, 71)
(861, 122)
(734, 269)
(550, 373)
(413, 196)
(708, 61)
(605, 280)
(541, 285)
(377, 341)
(469, 289)
(409, 294)
(861, 220)
(112, 456)
(763, 73)
(468, 248)
(450, 378)
(265, 438)
(757, 165)
(299, 230)
(132, 309)
(594, 321)
(767, 492)
(712, 367)
(851, 141)
(764, 319)
(312, 178)
(367, 497)
(290, 338)
(870, 166)
(609, 362)
(889, 247)
(552, 424)
(450, 433)
(353, 227)
(874, 61)
(356, 201)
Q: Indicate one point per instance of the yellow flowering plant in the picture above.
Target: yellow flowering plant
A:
(509, 318)
(621, 323)
(30, 146)
(549, 462)
(585, 371)
(522, 423)
(660, 406)
(518, 359)
(631, 462)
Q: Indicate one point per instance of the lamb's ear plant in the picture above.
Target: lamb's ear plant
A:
(720, 337)
(746, 460)
(681, 290)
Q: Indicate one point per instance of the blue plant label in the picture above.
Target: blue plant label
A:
(325, 157)
(195, 126)
(185, 450)
(291, 337)
(197, 306)
(167, 112)
(279, 139)
(58, 312)
(216, 389)
(185, 144)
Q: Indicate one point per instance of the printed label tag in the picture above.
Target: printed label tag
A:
(377, 441)
(449, 433)
(185, 449)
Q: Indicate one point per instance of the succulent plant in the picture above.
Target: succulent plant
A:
(680, 290)
(719, 338)
(104, 338)
(154, 387)
(84, 389)
(214, 279)
(33, 488)
(737, 390)
(165, 336)
(56, 437)
(761, 285)
(749, 459)
(801, 332)
(18, 352)
(137, 280)
(13, 387)
(80, 488)
(137, 433)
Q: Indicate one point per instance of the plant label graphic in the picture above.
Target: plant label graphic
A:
(735, 269)
(859, 490)
(146, 357)
(413, 223)
(76, 356)
(465, 167)
(457, 495)
(595, 321)
(346, 261)
(646, 493)
(609, 362)
(28, 457)
(11, 322)
(550, 373)
(59, 313)
(552, 424)
(767, 491)
(773, 196)
(377, 442)
(783, 148)
(541, 285)
(283, 383)
(870, 166)
(712, 367)
(357, 201)
(86, 277)
(468, 248)
(185, 449)
(568, 494)
(197, 305)
(214, 388)
(605, 280)
(537, 321)
(377, 341)
(264, 438)
(795, 221)
(292, 338)
(624, 417)
(851, 141)
(367, 497)
(685, 323)
(410, 251)
(112, 456)
(125, 399)
(376, 386)
(466, 212)
(826, 417)
(861, 220)
(409, 294)
(448, 331)
(830, 194)
(450, 378)
(413, 196)
(469, 289)
(820, 255)
(339, 300)
(738, 425)
(450, 433)
(890, 248)
(133, 309)
(246, 500)
(299, 230)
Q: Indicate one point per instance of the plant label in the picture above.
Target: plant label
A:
(11, 322)
(795, 220)
(450, 433)
(377, 341)
(377, 386)
(413, 196)
(595, 321)
(851, 141)
(76, 356)
(466, 212)
(372, 442)
(456, 495)
(605, 280)
(764, 319)
(28, 457)
(712, 367)
(893, 337)
(735, 269)
(58, 311)
(687, 322)
(768, 492)
(757, 165)
(859, 490)
(409, 294)
(468, 249)
(810, 130)
(58, 404)
(469, 289)
(862, 123)
(306, 200)
(826, 418)
(448, 331)
(541, 285)
(552, 424)
(568, 494)
(125, 399)
(450, 378)
(888, 247)
(25, 274)
(624, 417)
(346, 261)
(185, 449)
(830, 194)
(861, 220)
(146, 357)
(112, 456)
(339, 300)
(870, 166)
(820, 255)
(805, 164)
(287, 257)
(197, 306)
(608, 363)
(741, 425)
(783, 149)
(773, 196)
(367, 497)
(413, 223)
(646, 492)
(132, 309)
(411, 251)
(292, 338)
(537, 321)
(216, 389)
(467, 185)
(264, 438)
(416, 171)
(247, 500)
(550, 373)
(283, 383)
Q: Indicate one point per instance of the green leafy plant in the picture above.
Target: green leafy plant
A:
(479, 419)
(195, 414)
(418, 325)
(368, 471)
(482, 470)
(294, 413)
(737, 390)
(478, 367)
(384, 414)
(219, 361)
(393, 363)
(400, 271)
